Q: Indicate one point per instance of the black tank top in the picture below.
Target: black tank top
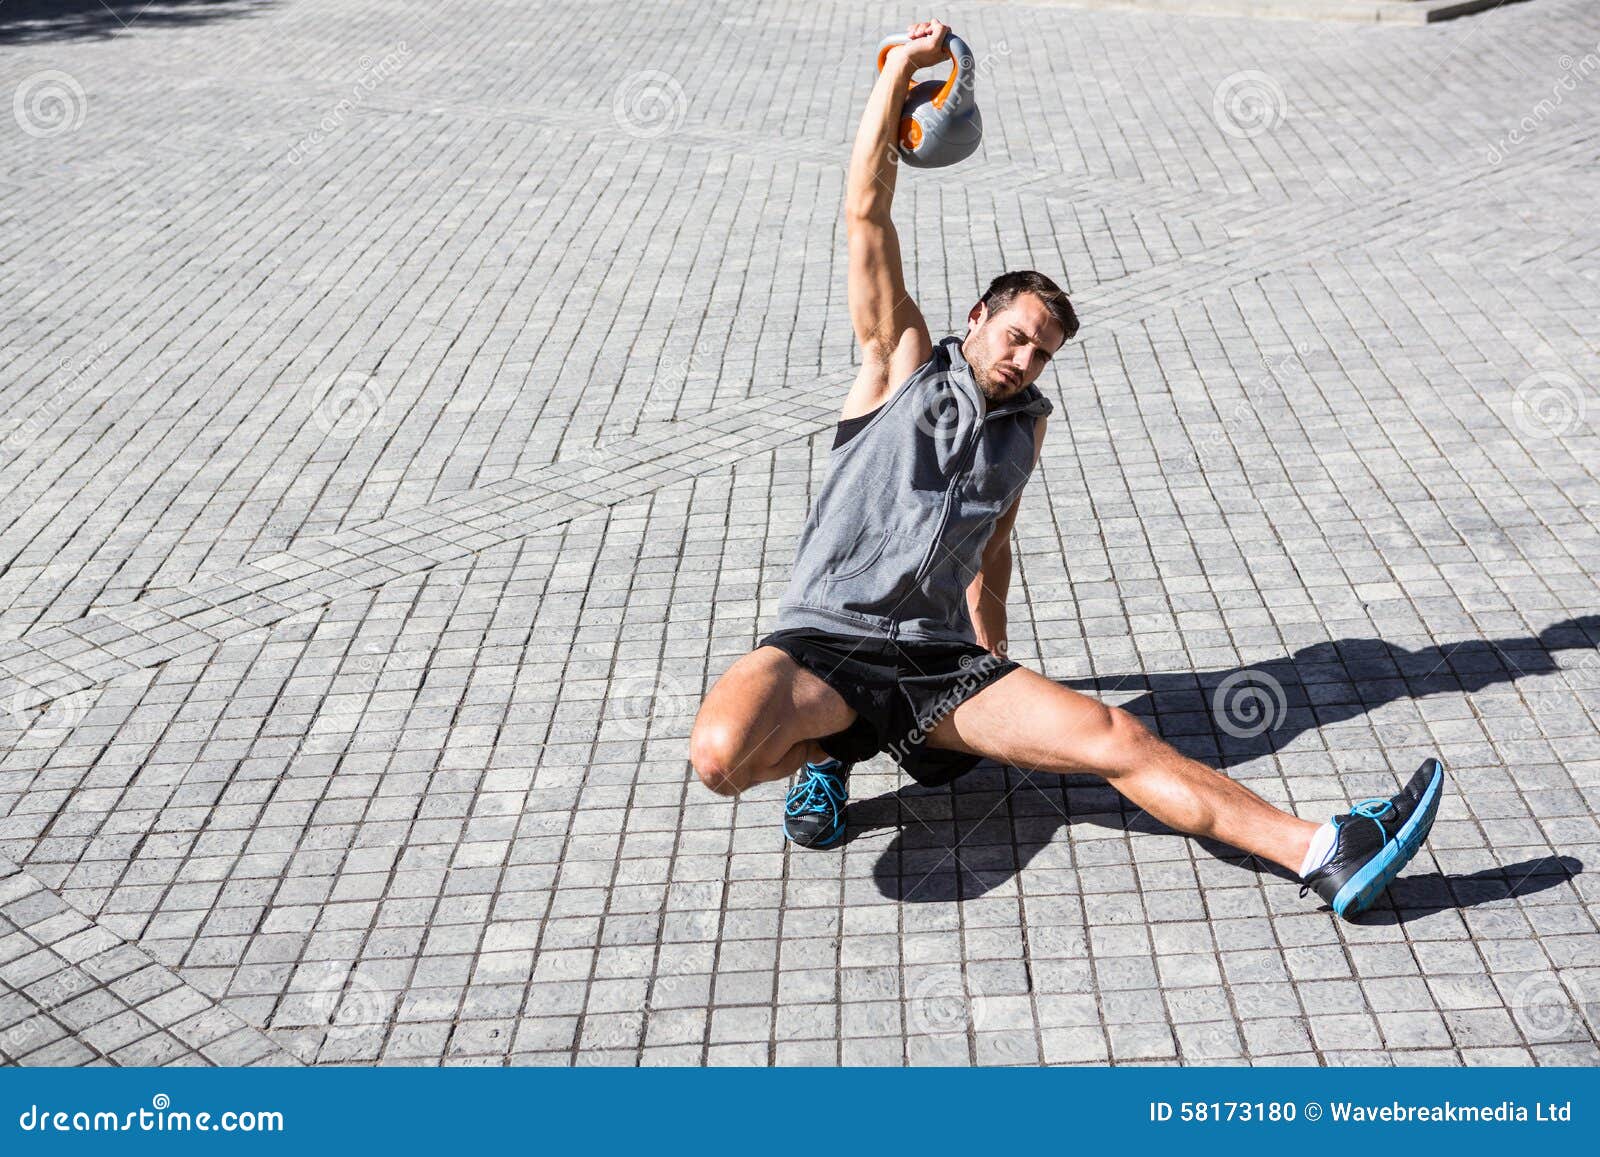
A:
(849, 427)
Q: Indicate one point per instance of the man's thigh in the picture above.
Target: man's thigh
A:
(765, 703)
(1027, 721)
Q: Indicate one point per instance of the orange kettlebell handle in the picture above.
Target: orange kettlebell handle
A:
(955, 65)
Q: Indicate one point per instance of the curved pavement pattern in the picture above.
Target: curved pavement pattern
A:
(409, 412)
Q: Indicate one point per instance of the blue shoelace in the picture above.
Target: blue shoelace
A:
(1365, 810)
(1368, 809)
(820, 791)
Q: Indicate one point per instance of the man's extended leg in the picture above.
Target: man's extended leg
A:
(1029, 722)
(761, 721)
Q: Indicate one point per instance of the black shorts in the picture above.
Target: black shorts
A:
(898, 691)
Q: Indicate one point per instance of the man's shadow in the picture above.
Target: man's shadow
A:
(963, 842)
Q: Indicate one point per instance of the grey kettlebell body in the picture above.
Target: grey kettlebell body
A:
(939, 124)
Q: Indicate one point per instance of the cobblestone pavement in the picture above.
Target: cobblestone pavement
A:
(410, 411)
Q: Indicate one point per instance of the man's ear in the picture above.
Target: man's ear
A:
(976, 316)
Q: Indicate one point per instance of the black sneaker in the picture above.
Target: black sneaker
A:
(1376, 839)
(813, 814)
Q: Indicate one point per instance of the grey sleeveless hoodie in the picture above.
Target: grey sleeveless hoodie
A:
(897, 533)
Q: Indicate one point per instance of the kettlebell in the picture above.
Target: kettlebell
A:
(939, 124)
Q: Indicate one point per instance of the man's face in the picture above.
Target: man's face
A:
(1008, 350)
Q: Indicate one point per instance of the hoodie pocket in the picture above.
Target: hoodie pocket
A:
(877, 575)
(865, 550)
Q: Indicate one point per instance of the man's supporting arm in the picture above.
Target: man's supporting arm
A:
(986, 595)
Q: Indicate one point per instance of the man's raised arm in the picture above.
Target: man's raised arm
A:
(893, 336)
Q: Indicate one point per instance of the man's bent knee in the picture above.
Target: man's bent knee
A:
(720, 759)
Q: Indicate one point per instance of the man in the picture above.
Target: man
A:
(892, 632)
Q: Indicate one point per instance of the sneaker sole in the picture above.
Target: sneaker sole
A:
(1362, 889)
(818, 845)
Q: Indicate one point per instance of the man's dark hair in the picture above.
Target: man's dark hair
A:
(1006, 288)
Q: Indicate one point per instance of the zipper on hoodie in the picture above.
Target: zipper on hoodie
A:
(949, 496)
